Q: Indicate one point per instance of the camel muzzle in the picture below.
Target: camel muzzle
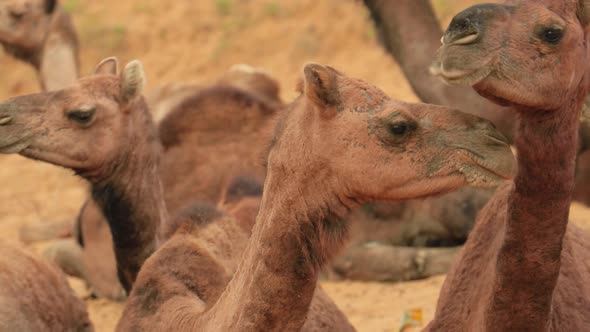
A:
(469, 26)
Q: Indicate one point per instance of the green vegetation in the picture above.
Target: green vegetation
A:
(224, 7)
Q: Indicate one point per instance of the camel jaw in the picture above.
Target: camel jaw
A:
(14, 147)
(458, 77)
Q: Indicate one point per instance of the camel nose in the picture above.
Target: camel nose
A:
(469, 25)
(5, 120)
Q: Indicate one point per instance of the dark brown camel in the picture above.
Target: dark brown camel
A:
(410, 32)
(523, 267)
(432, 149)
(41, 33)
(35, 296)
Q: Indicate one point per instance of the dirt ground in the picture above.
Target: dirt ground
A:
(196, 41)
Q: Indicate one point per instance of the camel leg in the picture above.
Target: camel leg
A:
(379, 262)
(67, 255)
(35, 232)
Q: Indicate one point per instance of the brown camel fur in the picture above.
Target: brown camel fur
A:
(41, 33)
(35, 296)
(523, 267)
(434, 150)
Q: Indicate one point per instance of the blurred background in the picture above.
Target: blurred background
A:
(196, 41)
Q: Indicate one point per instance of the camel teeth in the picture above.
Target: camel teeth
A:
(5, 120)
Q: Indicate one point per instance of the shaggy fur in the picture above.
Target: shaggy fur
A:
(35, 296)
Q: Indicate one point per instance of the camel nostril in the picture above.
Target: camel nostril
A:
(4, 120)
(464, 28)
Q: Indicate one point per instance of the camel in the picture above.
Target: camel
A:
(215, 148)
(410, 32)
(140, 225)
(35, 296)
(523, 268)
(195, 278)
(423, 241)
(41, 33)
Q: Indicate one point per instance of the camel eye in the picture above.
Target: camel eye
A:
(83, 117)
(551, 35)
(16, 16)
(400, 128)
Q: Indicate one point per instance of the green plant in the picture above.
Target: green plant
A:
(71, 6)
(273, 9)
(224, 7)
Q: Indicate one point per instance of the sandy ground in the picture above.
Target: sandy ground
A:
(196, 41)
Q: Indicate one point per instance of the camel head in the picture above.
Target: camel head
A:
(532, 54)
(25, 23)
(353, 139)
(85, 127)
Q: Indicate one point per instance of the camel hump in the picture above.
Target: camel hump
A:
(243, 186)
(220, 108)
(191, 216)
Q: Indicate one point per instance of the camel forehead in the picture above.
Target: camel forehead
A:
(362, 96)
(564, 7)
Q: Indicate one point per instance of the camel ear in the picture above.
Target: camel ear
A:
(320, 85)
(584, 12)
(50, 6)
(108, 66)
(132, 81)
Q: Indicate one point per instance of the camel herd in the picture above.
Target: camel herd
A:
(239, 244)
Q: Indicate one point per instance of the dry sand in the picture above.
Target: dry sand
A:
(196, 41)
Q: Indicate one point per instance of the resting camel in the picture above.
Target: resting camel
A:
(35, 296)
(523, 267)
(41, 33)
(189, 281)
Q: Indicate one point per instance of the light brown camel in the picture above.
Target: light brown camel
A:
(42, 34)
(35, 296)
(249, 98)
(432, 149)
(93, 110)
(523, 267)
(199, 140)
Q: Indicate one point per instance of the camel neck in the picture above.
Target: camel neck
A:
(537, 212)
(131, 200)
(56, 60)
(297, 230)
(411, 33)
(57, 63)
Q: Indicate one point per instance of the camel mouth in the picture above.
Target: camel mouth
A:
(14, 147)
(484, 174)
(460, 77)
